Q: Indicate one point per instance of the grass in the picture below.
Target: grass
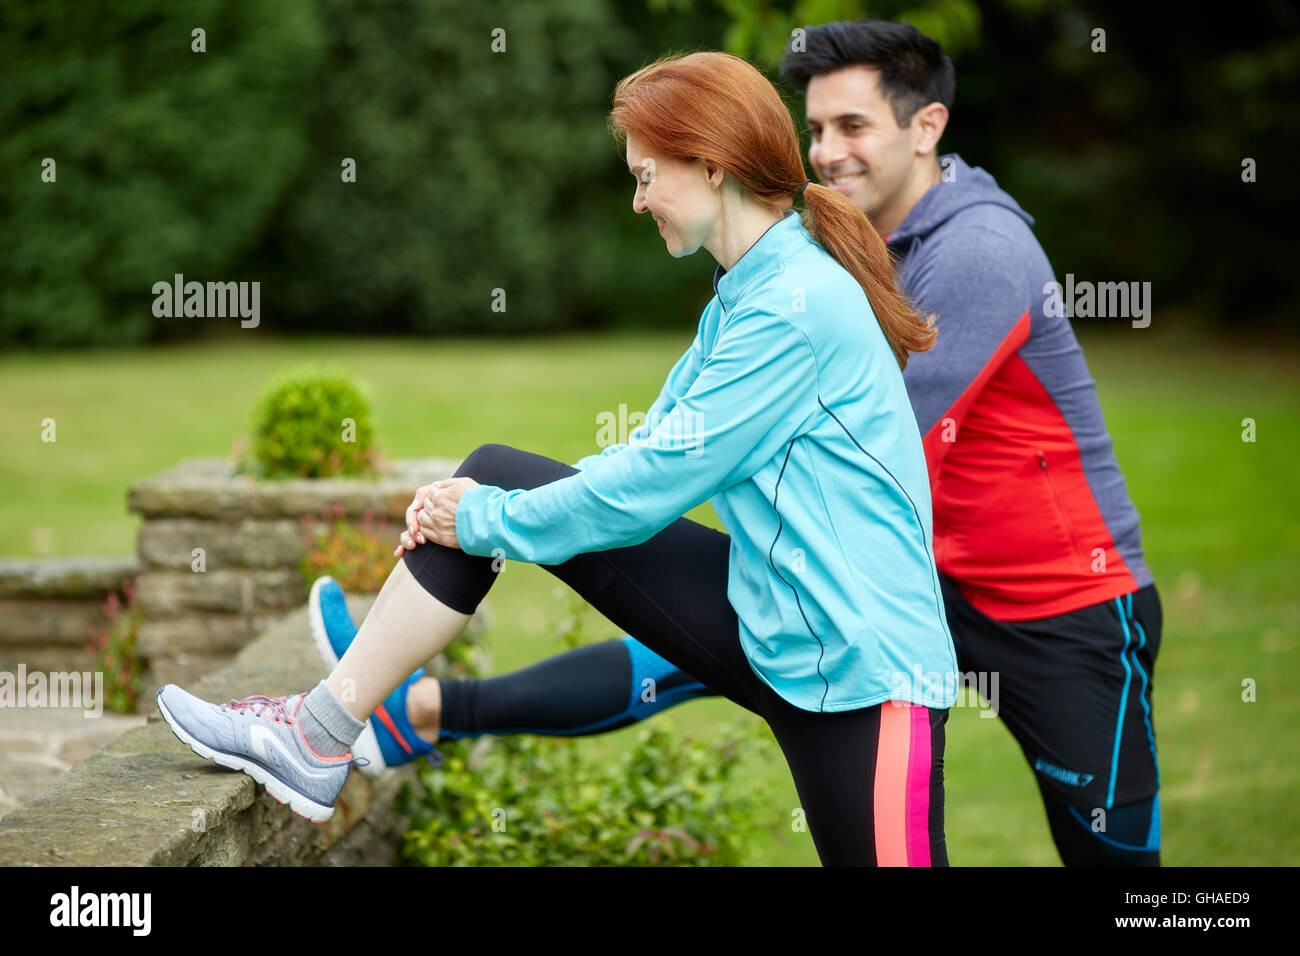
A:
(1220, 526)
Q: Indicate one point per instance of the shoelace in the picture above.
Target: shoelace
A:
(258, 705)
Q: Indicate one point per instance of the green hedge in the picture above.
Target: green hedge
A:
(539, 801)
(167, 161)
(476, 171)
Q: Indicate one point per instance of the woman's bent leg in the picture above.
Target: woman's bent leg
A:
(426, 601)
(406, 626)
(671, 590)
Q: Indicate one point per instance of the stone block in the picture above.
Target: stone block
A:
(163, 594)
(208, 488)
(147, 800)
(185, 669)
(50, 621)
(47, 658)
(197, 633)
(170, 543)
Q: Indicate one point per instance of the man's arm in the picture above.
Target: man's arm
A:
(974, 283)
(757, 390)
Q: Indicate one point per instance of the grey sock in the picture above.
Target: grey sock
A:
(326, 724)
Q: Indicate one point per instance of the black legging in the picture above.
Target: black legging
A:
(671, 591)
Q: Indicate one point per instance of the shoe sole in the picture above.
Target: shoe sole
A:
(367, 745)
(299, 803)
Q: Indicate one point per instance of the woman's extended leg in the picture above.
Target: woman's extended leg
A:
(433, 591)
(588, 690)
(592, 689)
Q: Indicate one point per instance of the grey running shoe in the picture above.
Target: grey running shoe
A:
(260, 736)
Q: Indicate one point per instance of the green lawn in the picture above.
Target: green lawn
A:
(1221, 529)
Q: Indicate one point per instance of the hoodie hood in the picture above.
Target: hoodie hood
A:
(961, 187)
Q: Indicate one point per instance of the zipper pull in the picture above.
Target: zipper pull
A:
(1042, 461)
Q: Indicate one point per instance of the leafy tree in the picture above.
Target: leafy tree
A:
(166, 160)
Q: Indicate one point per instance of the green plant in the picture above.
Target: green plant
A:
(115, 653)
(312, 423)
(535, 801)
(359, 557)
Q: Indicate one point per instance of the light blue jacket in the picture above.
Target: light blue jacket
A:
(789, 415)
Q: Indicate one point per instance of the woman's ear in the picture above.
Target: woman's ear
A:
(714, 174)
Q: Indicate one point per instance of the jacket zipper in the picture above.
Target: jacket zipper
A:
(1060, 507)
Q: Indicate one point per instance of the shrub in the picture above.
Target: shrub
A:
(358, 557)
(312, 423)
(114, 649)
(534, 801)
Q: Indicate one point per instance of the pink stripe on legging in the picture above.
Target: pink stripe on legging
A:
(892, 752)
(902, 787)
(918, 790)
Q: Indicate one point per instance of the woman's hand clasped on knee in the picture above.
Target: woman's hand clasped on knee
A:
(432, 514)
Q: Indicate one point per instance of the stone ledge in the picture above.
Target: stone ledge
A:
(147, 800)
(75, 578)
(168, 544)
(209, 488)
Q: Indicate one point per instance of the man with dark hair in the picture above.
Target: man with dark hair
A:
(1037, 543)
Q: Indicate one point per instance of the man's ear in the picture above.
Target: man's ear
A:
(928, 125)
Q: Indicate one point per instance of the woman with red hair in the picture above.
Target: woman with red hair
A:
(819, 610)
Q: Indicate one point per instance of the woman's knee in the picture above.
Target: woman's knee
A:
(508, 467)
(486, 463)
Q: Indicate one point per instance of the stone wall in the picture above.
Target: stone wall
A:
(249, 538)
(49, 607)
(146, 799)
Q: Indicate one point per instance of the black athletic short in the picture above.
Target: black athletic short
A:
(1074, 690)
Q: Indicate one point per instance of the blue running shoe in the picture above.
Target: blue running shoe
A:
(260, 736)
(388, 740)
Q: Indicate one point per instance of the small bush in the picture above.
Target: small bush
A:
(534, 801)
(114, 648)
(312, 423)
(359, 557)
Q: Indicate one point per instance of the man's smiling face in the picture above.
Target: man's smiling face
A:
(857, 145)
